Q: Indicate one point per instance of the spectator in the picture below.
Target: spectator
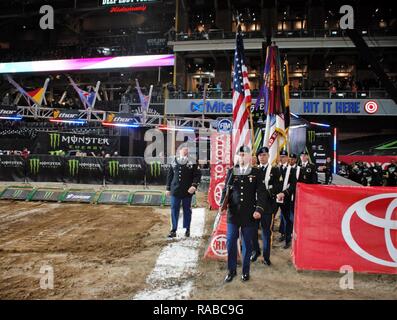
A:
(25, 153)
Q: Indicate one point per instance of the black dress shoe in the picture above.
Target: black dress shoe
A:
(187, 233)
(229, 277)
(172, 234)
(245, 277)
(287, 245)
(282, 238)
(267, 262)
(254, 256)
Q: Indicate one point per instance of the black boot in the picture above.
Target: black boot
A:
(229, 277)
(172, 234)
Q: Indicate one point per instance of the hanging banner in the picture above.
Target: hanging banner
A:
(51, 141)
(156, 172)
(65, 114)
(12, 168)
(219, 163)
(345, 228)
(83, 170)
(9, 112)
(120, 119)
(44, 168)
(217, 248)
(125, 170)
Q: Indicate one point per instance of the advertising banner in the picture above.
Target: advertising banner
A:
(12, 168)
(345, 227)
(52, 141)
(156, 172)
(44, 168)
(125, 170)
(83, 170)
(220, 153)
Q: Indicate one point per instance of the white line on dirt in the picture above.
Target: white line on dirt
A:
(171, 277)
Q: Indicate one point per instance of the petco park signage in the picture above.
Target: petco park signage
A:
(364, 107)
(355, 227)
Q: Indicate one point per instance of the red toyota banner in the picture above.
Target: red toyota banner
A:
(217, 246)
(338, 226)
(219, 163)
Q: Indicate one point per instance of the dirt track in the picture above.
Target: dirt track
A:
(102, 252)
(106, 252)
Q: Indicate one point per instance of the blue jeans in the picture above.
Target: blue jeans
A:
(187, 211)
(232, 236)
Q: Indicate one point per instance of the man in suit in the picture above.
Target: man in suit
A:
(284, 198)
(308, 173)
(271, 180)
(183, 179)
(244, 194)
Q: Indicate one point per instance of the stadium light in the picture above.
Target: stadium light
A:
(123, 125)
(320, 124)
(16, 118)
(77, 121)
(161, 60)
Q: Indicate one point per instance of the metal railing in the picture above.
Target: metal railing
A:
(215, 34)
(301, 94)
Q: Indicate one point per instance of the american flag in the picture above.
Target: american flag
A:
(241, 135)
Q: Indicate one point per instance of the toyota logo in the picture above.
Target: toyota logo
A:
(218, 192)
(387, 223)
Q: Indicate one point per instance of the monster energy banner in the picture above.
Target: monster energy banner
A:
(43, 168)
(319, 142)
(12, 168)
(51, 141)
(125, 170)
(83, 170)
(156, 172)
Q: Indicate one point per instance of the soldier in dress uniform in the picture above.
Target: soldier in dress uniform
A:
(285, 197)
(308, 173)
(183, 179)
(244, 194)
(271, 180)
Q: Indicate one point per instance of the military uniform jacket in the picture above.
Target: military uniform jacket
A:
(181, 176)
(290, 185)
(308, 174)
(273, 187)
(247, 194)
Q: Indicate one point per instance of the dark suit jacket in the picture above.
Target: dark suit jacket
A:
(291, 186)
(274, 187)
(181, 176)
(247, 194)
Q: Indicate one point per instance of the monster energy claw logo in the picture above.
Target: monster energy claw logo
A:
(114, 168)
(147, 198)
(48, 195)
(55, 139)
(311, 136)
(17, 193)
(34, 165)
(73, 167)
(155, 168)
